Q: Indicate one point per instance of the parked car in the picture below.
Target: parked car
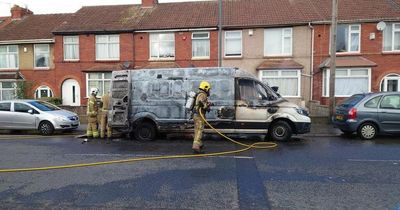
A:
(369, 114)
(34, 114)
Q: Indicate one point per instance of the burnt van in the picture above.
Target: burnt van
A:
(148, 102)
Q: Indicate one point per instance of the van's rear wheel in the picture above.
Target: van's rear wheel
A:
(145, 131)
(280, 131)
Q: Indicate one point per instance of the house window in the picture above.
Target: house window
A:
(278, 42)
(107, 47)
(98, 80)
(391, 83)
(233, 43)
(200, 44)
(348, 82)
(348, 38)
(71, 47)
(43, 92)
(8, 90)
(162, 46)
(288, 81)
(9, 57)
(391, 37)
(42, 55)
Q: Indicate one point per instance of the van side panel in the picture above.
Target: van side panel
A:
(161, 95)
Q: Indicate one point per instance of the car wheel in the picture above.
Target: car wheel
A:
(145, 131)
(46, 128)
(367, 131)
(280, 131)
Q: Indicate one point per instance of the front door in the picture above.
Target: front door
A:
(389, 113)
(71, 93)
(251, 106)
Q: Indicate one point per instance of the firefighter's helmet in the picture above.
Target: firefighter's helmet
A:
(94, 91)
(204, 85)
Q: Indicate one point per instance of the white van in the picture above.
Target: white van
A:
(150, 101)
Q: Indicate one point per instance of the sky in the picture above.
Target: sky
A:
(64, 6)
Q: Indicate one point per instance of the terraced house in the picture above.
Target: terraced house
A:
(284, 43)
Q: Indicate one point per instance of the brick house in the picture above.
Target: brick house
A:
(26, 53)
(100, 39)
(368, 58)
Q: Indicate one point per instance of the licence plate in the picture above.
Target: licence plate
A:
(339, 117)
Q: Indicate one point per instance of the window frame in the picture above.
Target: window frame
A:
(393, 40)
(387, 77)
(102, 79)
(349, 39)
(241, 44)
(14, 88)
(35, 54)
(38, 94)
(279, 76)
(151, 41)
(209, 45)
(8, 55)
(326, 78)
(108, 42)
(282, 42)
(71, 43)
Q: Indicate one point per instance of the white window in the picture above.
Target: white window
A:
(200, 44)
(348, 38)
(391, 37)
(391, 83)
(101, 81)
(162, 46)
(348, 82)
(233, 43)
(71, 47)
(107, 47)
(278, 42)
(42, 55)
(8, 90)
(43, 92)
(8, 56)
(288, 81)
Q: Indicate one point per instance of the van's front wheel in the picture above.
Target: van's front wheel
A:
(145, 131)
(280, 131)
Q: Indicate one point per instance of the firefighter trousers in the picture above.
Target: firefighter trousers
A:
(198, 132)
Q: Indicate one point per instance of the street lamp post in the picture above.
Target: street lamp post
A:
(333, 35)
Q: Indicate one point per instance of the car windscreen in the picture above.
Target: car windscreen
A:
(43, 106)
(352, 101)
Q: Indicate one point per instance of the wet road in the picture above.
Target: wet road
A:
(307, 173)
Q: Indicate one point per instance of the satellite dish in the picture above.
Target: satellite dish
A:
(381, 26)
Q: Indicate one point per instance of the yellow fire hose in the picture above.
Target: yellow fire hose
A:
(257, 145)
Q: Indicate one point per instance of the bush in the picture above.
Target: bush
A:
(52, 100)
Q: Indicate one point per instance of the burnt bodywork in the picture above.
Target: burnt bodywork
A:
(159, 96)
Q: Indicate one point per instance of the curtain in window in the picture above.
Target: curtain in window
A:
(102, 51)
(42, 52)
(3, 61)
(387, 38)
(273, 41)
(233, 47)
(396, 40)
(342, 38)
(201, 48)
(350, 85)
(355, 40)
(114, 51)
(287, 86)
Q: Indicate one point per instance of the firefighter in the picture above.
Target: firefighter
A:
(92, 109)
(104, 117)
(201, 106)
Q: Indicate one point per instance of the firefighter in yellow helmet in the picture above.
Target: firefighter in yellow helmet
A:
(201, 106)
(104, 117)
(92, 111)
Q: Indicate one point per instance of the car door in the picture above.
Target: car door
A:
(389, 113)
(22, 118)
(251, 106)
(6, 116)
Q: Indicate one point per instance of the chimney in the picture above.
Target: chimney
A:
(149, 3)
(18, 12)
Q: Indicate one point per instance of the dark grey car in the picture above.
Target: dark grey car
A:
(369, 114)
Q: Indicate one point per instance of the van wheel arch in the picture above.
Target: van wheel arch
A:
(284, 125)
(145, 130)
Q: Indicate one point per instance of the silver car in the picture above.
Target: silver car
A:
(36, 115)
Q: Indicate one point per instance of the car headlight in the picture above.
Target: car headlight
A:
(302, 111)
(62, 119)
